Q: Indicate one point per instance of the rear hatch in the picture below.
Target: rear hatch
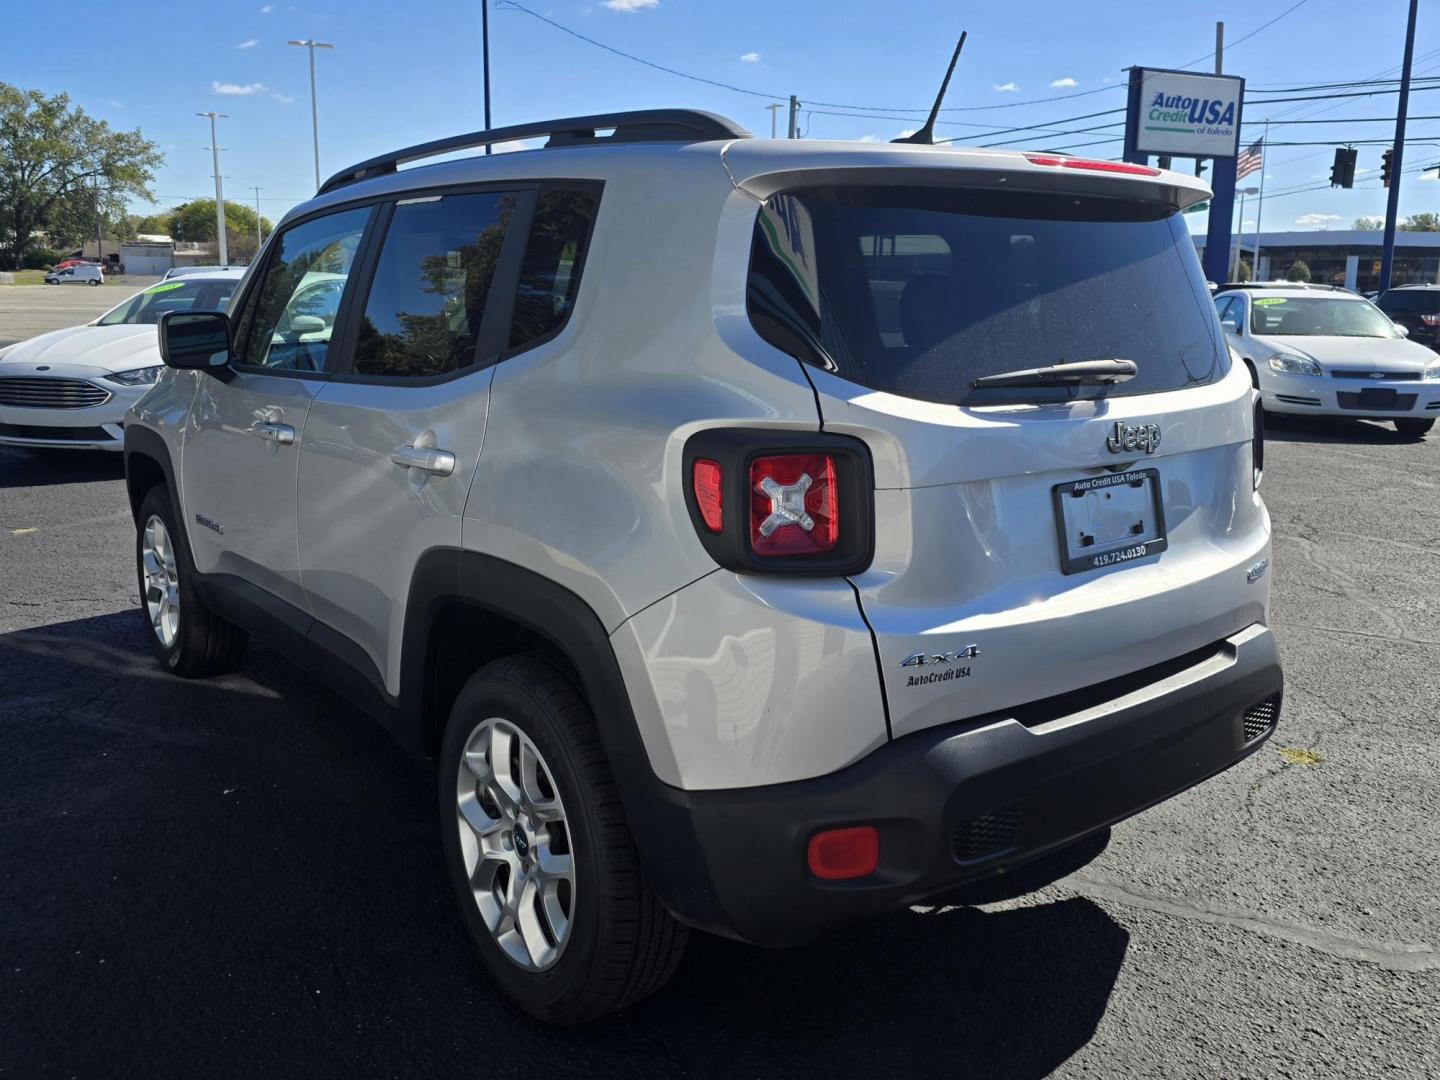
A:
(1030, 540)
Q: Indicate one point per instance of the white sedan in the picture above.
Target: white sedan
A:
(1328, 352)
(71, 388)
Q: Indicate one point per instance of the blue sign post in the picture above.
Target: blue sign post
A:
(1188, 114)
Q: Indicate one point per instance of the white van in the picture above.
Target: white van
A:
(85, 274)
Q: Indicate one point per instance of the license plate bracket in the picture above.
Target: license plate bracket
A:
(1106, 520)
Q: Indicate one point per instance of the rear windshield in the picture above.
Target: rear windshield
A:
(919, 291)
(1410, 301)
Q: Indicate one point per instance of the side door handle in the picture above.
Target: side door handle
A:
(283, 434)
(436, 462)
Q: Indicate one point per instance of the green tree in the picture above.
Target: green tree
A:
(1299, 271)
(154, 224)
(1369, 224)
(55, 162)
(195, 221)
(1243, 272)
(1427, 221)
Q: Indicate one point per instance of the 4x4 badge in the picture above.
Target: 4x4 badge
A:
(920, 659)
(1129, 437)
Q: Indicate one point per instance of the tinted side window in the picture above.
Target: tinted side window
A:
(290, 315)
(554, 258)
(431, 284)
(1410, 301)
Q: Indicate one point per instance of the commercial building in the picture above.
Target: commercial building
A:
(1348, 257)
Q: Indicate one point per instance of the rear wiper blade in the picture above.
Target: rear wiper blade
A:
(1080, 373)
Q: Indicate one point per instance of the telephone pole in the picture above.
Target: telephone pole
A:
(484, 63)
(259, 239)
(99, 227)
(219, 188)
(794, 117)
(774, 108)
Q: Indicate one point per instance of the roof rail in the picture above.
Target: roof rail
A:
(641, 125)
(1285, 285)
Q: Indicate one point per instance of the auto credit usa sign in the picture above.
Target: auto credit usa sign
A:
(1182, 114)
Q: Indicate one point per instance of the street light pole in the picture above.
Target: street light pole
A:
(1392, 205)
(219, 188)
(774, 108)
(312, 45)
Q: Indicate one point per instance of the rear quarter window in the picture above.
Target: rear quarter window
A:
(919, 291)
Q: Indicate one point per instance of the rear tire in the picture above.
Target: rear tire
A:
(566, 951)
(1413, 429)
(186, 637)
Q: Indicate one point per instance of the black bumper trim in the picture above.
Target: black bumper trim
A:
(739, 857)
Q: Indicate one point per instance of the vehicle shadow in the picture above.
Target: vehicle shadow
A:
(41, 468)
(242, 876)
(1332, 429)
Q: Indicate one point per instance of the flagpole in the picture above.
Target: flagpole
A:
(1260, 206)
(1240, 247)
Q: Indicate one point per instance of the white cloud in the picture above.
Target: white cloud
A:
(248, 44)
(284, 99)
(1064, 84)
(237, 89)
(1008, 88)
(869, 138)
(631, 5)
(750, 58)
(267, 9)
(906, 133)
(1316, 221)
(1246, 224)
(513, 145)
(1431, 175)
(115, 104)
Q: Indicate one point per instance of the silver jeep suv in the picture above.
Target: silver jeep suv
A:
(759, 535)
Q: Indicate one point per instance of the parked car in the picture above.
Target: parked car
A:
(759, 535)
(71, 388)
(1417, 309)
(66, 263)
(76, 274)
(1322, 351)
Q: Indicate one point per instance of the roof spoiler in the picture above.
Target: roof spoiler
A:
(642, 125)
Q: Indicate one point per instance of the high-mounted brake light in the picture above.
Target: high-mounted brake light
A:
(840, 854)
(1092, 165)
(708, 480)
(794, 505)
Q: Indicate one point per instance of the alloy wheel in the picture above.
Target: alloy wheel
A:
(515, 840)
(162, 581)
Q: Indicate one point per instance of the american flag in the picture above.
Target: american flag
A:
(1249, 160)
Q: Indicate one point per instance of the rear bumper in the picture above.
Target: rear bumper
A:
(963, 802)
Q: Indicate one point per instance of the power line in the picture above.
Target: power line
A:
(1247, 37)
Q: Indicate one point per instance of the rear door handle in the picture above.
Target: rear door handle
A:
(437, 462)
(283, 434)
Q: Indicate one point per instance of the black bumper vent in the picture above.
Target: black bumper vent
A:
(56, 434)
(986, 835)
(1379, 400)
(1260, 718)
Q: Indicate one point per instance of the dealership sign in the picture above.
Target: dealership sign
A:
(1181, 114)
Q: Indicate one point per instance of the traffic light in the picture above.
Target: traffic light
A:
(1199, 167)
(1342, 173)
(1385, 169)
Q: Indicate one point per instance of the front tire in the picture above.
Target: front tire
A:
(542, 861)
(1413, 429)
(186, 637)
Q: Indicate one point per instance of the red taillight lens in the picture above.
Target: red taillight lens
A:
(839, 854)
(1091, 165)
(794, 505)
(707, 478)
(1430, 320)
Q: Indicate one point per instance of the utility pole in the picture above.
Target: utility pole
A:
(484, 63)
(312, 45)
(1392, 206)
(1260, 207)
(99, 227)
(219, 188)
(794, 117)
(259, 239)
(774, 116)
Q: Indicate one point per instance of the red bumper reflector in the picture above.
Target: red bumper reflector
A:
(838, 854)
(707, 479)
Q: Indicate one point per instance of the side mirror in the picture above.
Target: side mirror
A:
(307, 324)
(196, 341)
(1403, 331)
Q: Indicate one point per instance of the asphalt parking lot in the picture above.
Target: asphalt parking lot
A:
(243, 876)
(27, 310)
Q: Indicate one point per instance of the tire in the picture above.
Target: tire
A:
(92, 284)
(196, 642)
(1413, 429)
(614, 942)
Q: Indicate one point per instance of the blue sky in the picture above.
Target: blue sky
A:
(402, 73)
